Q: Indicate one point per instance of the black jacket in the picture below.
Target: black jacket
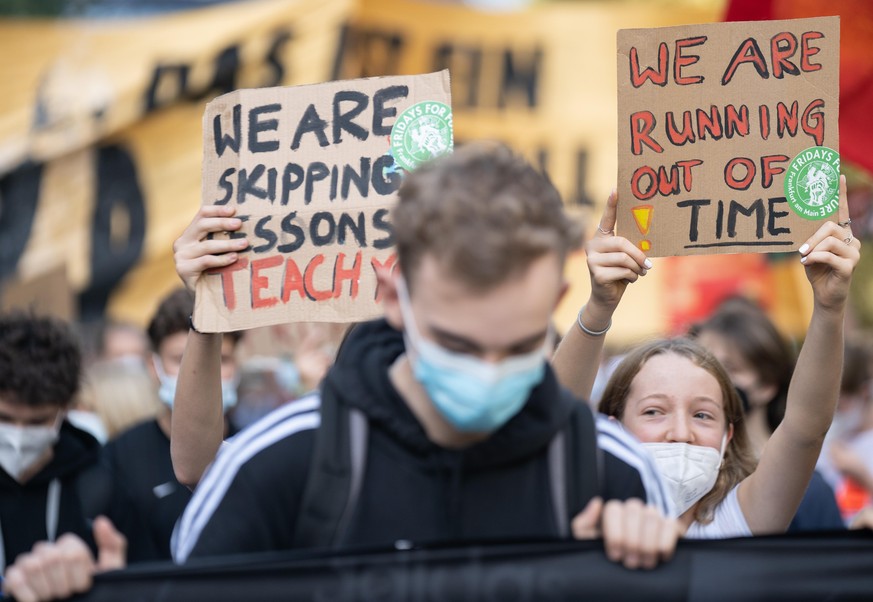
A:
(84, 488)
(413, 489)
(147, 498)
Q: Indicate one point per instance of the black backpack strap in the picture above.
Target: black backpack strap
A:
(358, 432)
(558, 475)
(584, 461)
(335, 476)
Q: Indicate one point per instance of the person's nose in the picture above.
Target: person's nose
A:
(493, 357)
(680, 429)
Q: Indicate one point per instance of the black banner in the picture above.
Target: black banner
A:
(829, 567)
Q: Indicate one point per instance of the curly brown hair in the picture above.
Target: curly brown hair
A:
(40, 360)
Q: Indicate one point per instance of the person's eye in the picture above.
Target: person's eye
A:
(457, 347)
(525, 349)
(651, 412)
(704, 416)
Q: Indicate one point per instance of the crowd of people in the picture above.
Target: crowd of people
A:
(154, 446)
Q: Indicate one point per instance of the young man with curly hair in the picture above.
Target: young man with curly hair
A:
(148, 497)
(51, 480)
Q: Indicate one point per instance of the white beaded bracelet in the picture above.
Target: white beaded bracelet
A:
(588, 331)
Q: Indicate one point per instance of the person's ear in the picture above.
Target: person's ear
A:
(387, 283)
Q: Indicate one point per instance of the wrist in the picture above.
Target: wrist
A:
(191, 325)
(596, 314)
(834, 313)
(590, 325)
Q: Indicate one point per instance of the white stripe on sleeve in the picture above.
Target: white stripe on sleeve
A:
(624, 446)
(295, 417)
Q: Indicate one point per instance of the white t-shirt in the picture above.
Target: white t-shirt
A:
(727, 522)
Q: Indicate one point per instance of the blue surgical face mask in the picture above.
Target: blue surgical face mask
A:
(167, 390)
(471, 394)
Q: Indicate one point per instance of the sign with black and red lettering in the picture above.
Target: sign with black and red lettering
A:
(728, 135)
(313, 172)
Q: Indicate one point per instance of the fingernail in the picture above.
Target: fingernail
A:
(803, 249)
(235, 221)
(644, 272)
(648, 264)
(803, 259)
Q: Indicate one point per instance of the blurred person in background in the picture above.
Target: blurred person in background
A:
(268, 381)
(120, 393)
(847, 457)
(758, 359)
(124, 342)
(110, 339)
(148, 496)
(265, 383)
(51, 478)
(106, 341)
(760, 364)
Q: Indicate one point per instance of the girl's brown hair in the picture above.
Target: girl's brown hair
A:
(739, 460)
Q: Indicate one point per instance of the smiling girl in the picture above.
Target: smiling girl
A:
(676, 398)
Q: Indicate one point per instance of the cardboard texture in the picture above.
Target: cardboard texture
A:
(710, 118)
(313, 171)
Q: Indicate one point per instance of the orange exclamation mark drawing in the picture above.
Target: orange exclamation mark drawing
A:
(643, 217)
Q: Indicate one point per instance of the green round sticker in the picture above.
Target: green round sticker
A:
(422, 132)
(812, 184)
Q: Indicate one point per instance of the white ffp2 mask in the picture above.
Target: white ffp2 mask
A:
(689, 471)
(167, 389)
(22, 446)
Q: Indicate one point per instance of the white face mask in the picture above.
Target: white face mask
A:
(689, 471)
(22, 446)
(167, 390)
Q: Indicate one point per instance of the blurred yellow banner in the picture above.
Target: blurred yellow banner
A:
(100, 134)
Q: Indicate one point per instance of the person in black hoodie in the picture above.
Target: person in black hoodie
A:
(148, 499)
(453, 383)
(51, 479)
(460, 407)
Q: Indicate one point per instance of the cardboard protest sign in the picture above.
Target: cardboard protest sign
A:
(728, 135)
(313, 171)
